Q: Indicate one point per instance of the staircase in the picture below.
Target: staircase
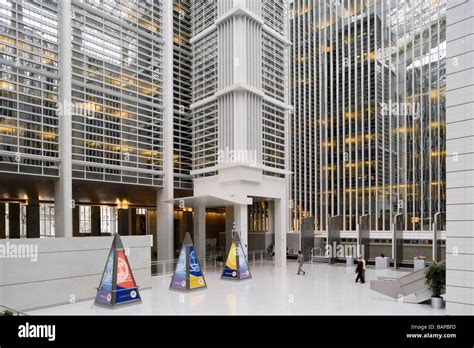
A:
(410, 288)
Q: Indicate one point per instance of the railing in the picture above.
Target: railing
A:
(168, 266)
(256, 255)
(4, 309)
(316, 253)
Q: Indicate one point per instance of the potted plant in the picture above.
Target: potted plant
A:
(436, 280)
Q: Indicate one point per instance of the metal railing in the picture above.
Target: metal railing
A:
(168, 266)
(317, 253)
(14, 312)
(256, 255)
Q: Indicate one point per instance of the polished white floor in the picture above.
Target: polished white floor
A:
(324, 290)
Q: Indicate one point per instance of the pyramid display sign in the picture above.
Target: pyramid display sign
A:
(117, 285)
(188, 273)
(236, 266)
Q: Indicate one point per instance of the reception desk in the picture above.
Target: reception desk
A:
(419, 264)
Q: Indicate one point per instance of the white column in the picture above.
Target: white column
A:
(240, 49)
(63, 186)
(229, 225)
(281, 223)
(164, 225)
(459, 159)
(240, 76)
(241, 223)
(200, 231)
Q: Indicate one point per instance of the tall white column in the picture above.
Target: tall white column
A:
(459, 158)
(164, 225)
(281, 223)
(241, 223)
(63, 186)
(200, 231)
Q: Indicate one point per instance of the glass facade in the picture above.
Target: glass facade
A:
(368, 127)
(117, 91)
(29, 87)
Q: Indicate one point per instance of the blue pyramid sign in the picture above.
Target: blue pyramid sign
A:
(188, 273)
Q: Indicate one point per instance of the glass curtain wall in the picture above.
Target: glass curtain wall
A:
(368, 126)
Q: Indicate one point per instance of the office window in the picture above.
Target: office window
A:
(47, 220)
(108, 220)
(85, 219)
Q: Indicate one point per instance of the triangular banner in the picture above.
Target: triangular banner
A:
(117, 285)
(188, 273)
(236, 266)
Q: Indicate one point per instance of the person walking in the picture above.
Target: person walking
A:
(360, 271)
(300, 262)
(364, 268)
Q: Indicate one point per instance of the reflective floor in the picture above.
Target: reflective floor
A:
(324, 290)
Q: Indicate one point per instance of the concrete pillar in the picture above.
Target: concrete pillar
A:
(281, 226)
(63, 186)
(186, 225)
(95, 221)
(239, 41)
(164, 216)
(2, 221)
(123, 218)
(76, 221)
(151, 229)
(33, 219)
(229, 225)
(241, 224)
(459, 158)
(271, 226)
(14, 220)
(200, 231)
(164, 228)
